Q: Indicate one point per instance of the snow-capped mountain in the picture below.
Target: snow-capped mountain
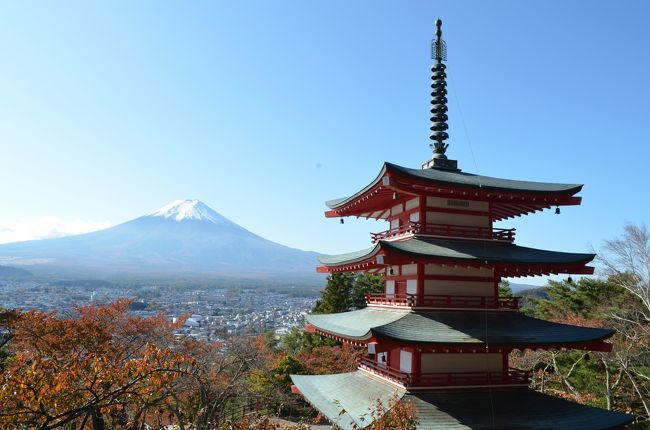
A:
(185, 237)
(196, 210)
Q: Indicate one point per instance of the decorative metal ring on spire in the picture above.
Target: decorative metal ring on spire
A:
(439, 95)
(439, 106)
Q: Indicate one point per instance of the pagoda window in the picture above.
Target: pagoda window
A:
(411, 286)
(414, 217)
(405, 361)
(466, 362)
(382, 359)
(390, 288)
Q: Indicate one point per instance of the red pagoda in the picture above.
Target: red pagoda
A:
(440, 334)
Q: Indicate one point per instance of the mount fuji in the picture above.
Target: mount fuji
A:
(183, 238)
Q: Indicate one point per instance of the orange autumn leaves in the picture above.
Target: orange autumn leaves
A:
(101, 362)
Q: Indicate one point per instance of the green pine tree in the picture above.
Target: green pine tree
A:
(337, 295)
(504, 289)
(365, 283)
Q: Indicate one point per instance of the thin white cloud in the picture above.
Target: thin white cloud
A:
(46, 228)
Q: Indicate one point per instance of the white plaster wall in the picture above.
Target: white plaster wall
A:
(409, 269)
(466, 362)
(413, 203)
(398, 209)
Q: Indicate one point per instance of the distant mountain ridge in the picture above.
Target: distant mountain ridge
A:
(516, 287)
(13, 272)
(183, 237)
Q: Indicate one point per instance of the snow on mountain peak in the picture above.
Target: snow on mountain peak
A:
(196, 210)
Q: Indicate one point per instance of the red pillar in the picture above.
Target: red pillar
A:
(504, 359)
(420, 286)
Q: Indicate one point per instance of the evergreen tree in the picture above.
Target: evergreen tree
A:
(298, 340)
(337, 295)
(587, 298)
(288, 365)
(347, 291)
(365, 283)
(504, 289)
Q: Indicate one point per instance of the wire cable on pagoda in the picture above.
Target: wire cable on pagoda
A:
(465, 129)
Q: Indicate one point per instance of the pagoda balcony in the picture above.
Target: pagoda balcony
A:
(445, 230)
(443, 301)
(446, 379)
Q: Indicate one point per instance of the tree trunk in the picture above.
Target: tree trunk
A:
(98, 420)
(608, 384)
(639, 393)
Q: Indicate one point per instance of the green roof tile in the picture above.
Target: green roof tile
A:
(508, 408)
(453, 327)
(346, 399)
(355, 324)
(462, 250)
(486, 408)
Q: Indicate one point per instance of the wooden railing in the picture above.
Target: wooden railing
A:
(465, 232)
(446, 379)
(385, 371)
(511, 377)
(239, 407)
(443, 301)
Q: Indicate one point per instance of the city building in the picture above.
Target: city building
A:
(440, 335)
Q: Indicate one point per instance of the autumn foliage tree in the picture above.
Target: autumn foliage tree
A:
(102, 366)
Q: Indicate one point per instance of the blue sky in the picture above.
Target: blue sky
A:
(263, 110)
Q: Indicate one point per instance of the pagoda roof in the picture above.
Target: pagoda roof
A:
(470, 328)
(347, 399)
(512, 197)
(520, 260)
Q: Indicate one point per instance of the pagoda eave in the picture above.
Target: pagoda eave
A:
(441, 347)
(507, 271)
(506, 259)
(510, 199)
(357, 341)
(469, 331)
(364, 266)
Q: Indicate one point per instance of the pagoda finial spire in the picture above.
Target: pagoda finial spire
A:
(438, 94)
(439, 104)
